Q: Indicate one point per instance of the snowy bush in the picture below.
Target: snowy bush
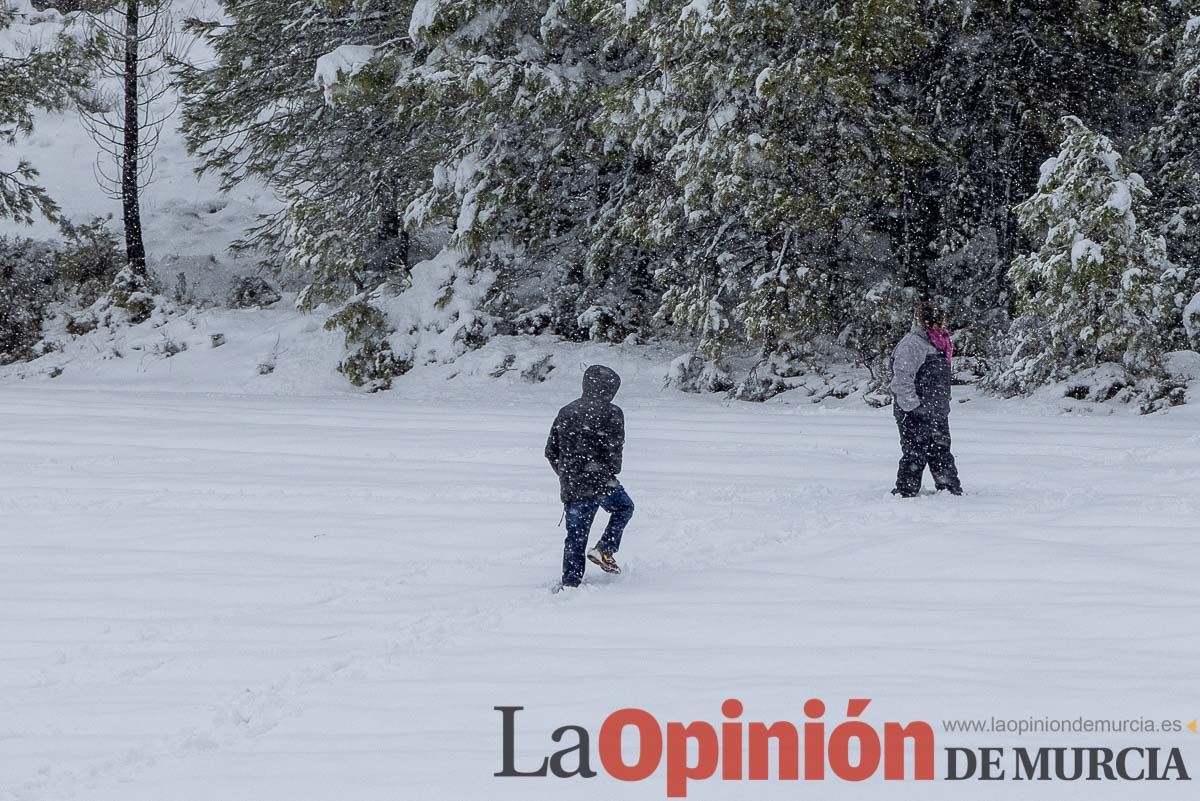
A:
(776, 372)
(88, 259)
(1183, 365)
(132, 294)
(1163, 393)
(604, 324)
(27, 277)
(1102, 383)
(539, 369)
(694, 373)
(40, 279)
(1113, 383)
(534, 321)
(806, 373)
(167, 347)
(532, 368)
(437, 316)
(252, 292)
(434, 317)
(369, 362)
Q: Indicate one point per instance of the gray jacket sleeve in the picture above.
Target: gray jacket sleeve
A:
(906, 361)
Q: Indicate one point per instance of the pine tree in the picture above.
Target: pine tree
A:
(785, 176)
(1171, 150)
(1087, 293)
(41, 77)
(345, 166)
(126, 113)
(781, 141)
(995, 80)
(530, 186)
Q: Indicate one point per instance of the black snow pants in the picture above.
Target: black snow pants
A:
(925, 441)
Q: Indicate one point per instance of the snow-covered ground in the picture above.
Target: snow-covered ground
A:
(220, 595)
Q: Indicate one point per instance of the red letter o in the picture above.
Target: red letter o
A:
(611, 756)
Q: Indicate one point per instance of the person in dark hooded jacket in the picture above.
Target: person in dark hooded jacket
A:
(585, 448)
(921, 378)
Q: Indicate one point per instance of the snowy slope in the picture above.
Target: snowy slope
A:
(258, 351)
(298, 597)
(188, 222)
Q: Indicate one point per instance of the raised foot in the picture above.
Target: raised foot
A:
(605, 561)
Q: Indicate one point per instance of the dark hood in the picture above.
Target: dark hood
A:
(600, 383)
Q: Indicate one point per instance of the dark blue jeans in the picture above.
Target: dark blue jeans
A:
(580, 515)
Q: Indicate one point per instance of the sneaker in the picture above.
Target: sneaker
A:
(604, 560)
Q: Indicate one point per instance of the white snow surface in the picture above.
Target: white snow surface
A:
(215, 584)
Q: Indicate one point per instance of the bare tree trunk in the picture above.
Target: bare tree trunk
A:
(135, 247)
(392, 234)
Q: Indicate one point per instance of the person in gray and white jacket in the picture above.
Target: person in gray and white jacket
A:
(920, 385)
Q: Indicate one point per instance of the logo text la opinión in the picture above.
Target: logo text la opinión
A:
(853, 750)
